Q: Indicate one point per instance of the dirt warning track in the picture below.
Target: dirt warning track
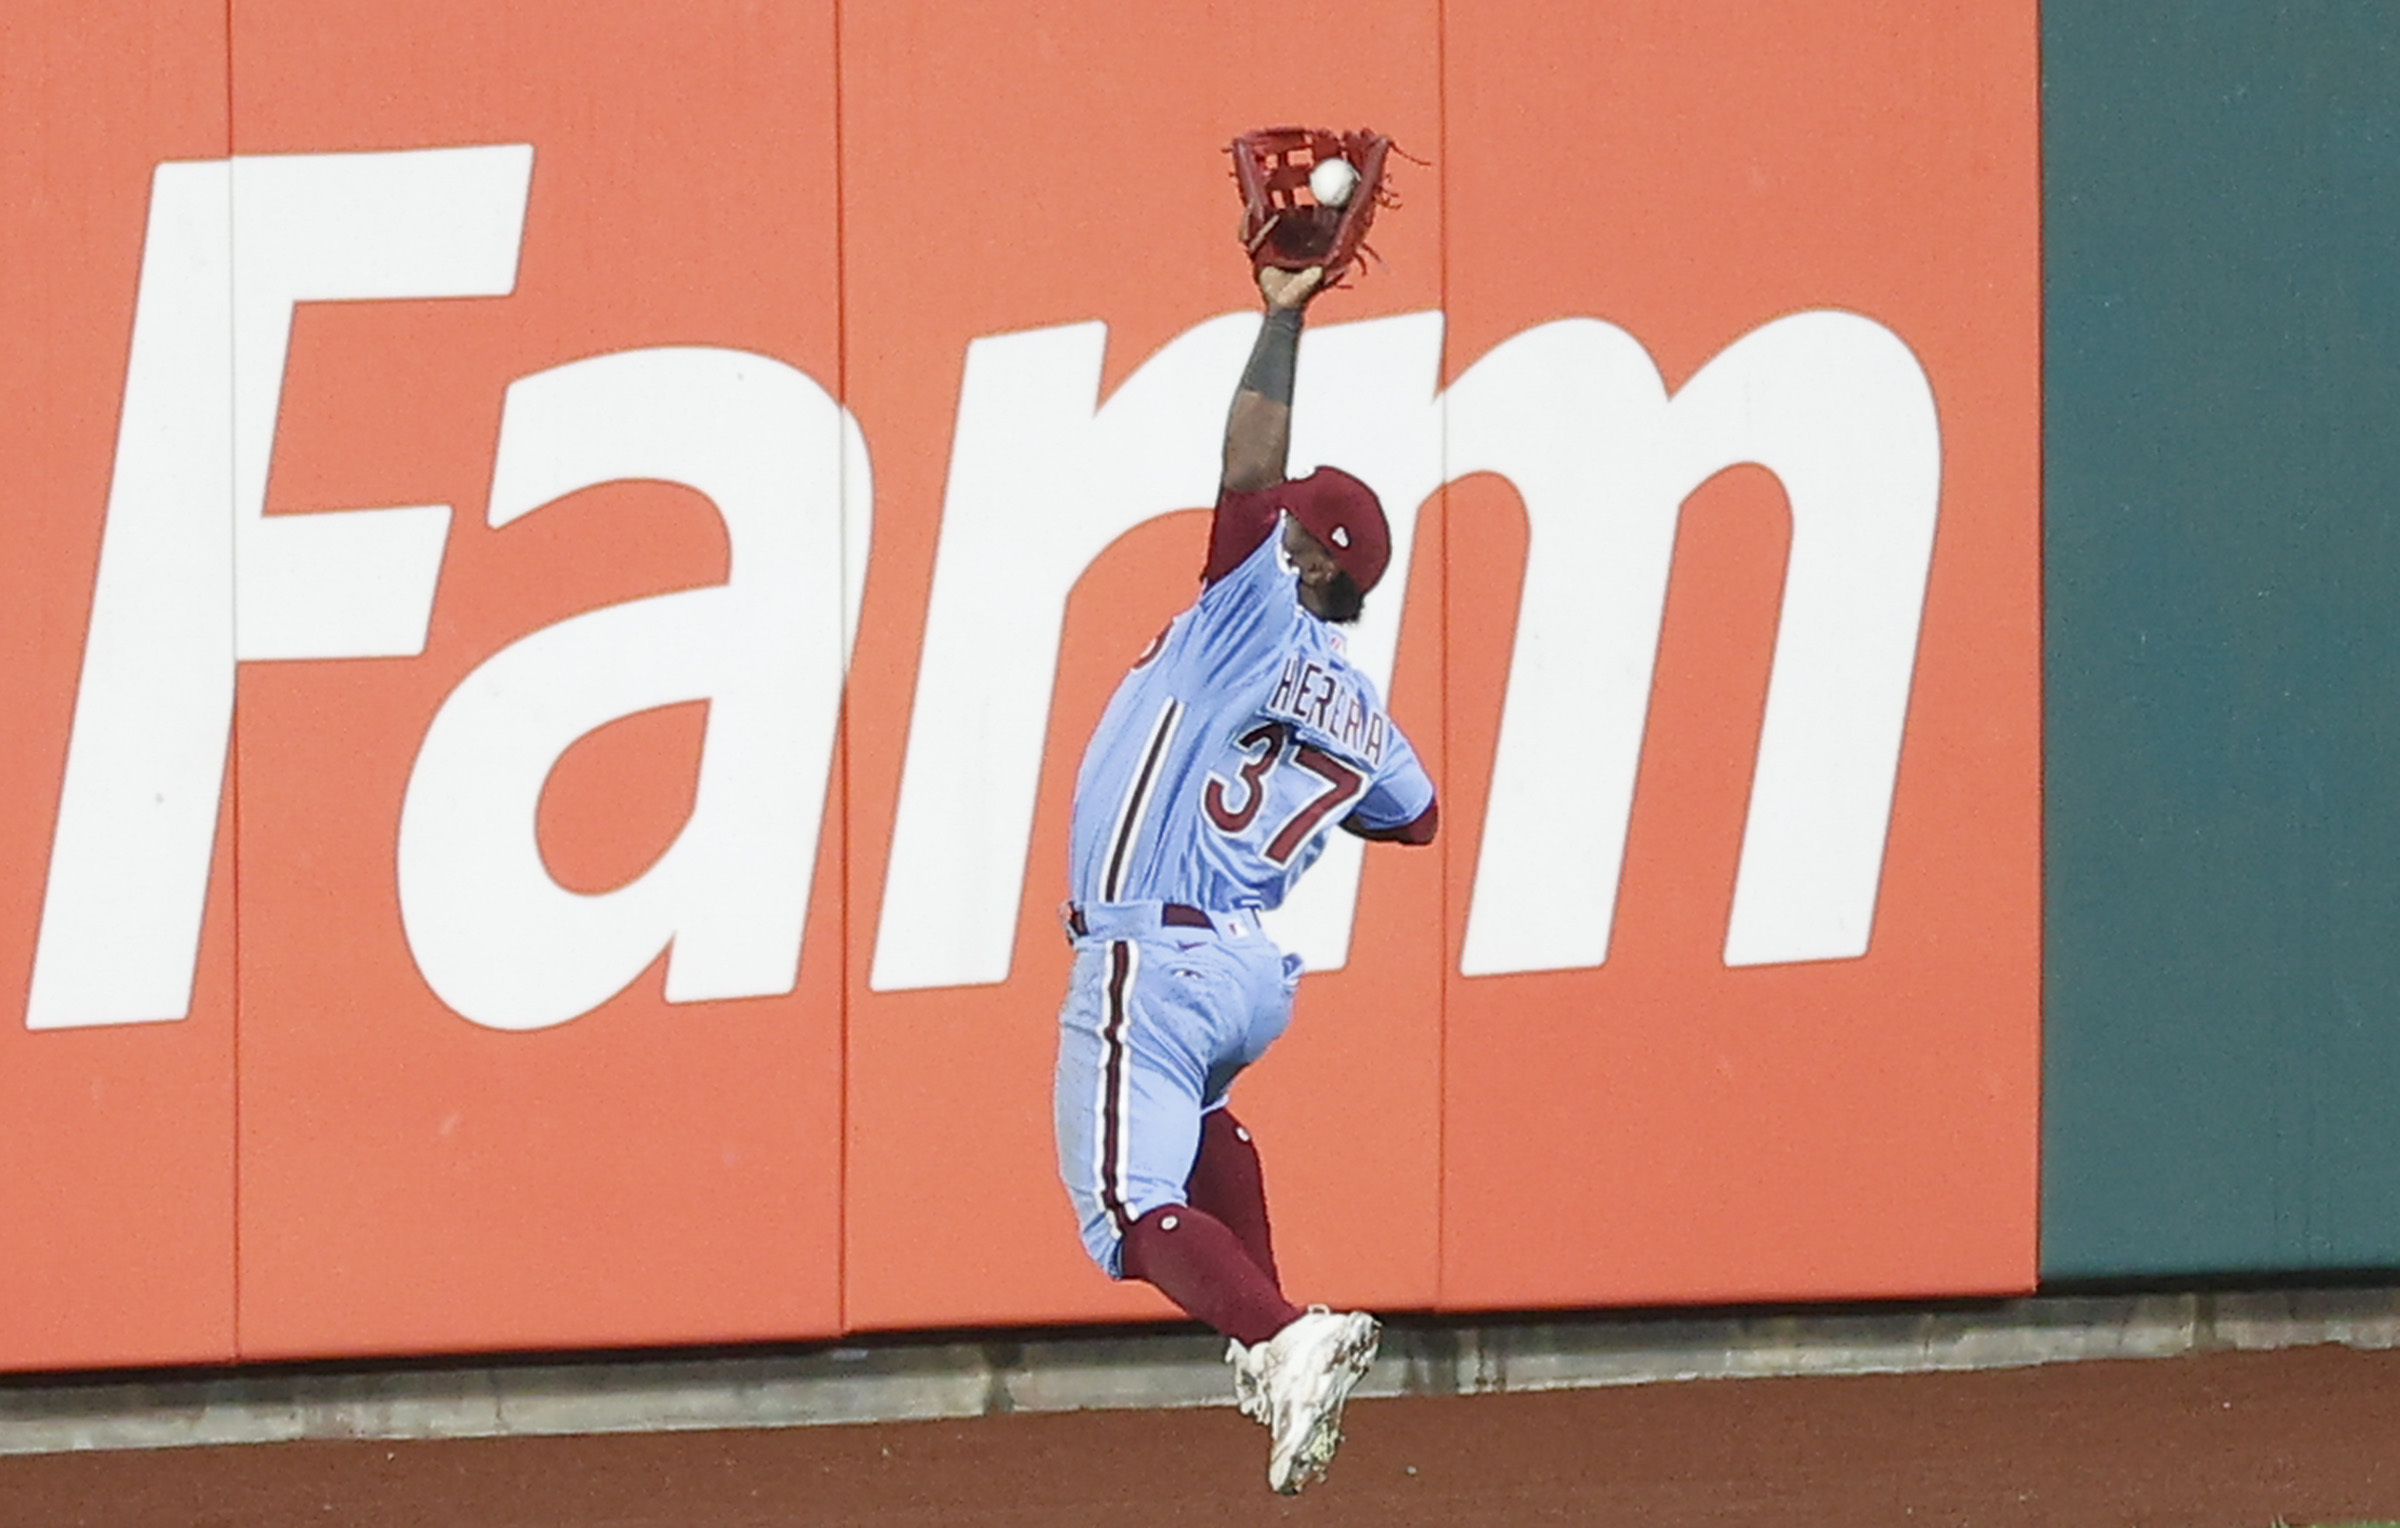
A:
(2224, 1440)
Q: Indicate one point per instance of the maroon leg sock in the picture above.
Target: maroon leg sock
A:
(1227, 1183)
(1203, 1267)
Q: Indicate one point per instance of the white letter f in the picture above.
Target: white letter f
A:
(232, 246)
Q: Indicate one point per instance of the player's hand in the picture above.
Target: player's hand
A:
(1289, 289)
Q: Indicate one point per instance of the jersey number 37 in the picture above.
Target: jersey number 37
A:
(1234, 807)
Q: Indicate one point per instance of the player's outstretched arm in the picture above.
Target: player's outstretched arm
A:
(1258, 433)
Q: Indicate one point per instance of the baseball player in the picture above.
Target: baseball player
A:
(1238, 742)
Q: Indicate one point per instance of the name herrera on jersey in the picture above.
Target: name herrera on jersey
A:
(1314, 696)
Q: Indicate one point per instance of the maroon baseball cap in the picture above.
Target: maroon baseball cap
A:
(1345, 515)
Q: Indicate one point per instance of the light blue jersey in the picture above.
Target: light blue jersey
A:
(1236, 744)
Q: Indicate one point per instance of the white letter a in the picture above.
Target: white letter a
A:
(496, 938)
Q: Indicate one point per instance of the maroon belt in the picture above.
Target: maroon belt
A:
(1173, 914)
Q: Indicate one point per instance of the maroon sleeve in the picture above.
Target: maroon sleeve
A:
(1243, 521)
(1419, 832)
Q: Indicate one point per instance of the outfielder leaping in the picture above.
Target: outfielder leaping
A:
(1233, 747)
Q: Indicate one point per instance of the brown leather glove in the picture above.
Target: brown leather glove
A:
(1282, 223)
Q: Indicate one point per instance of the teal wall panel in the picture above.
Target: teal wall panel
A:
(2222, 561)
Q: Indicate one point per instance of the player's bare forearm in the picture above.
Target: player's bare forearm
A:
(1258, 439)
(1258, 431)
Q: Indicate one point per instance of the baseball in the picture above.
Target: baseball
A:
(1332, 182)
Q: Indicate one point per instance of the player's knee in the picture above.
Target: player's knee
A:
(1147, 1237)
(1106, 1248)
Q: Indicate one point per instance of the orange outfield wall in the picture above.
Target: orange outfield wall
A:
(648, 1174)
(863, 192)
(119, 1192)
(1678, 1129)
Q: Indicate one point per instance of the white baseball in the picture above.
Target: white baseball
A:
(1332, 182)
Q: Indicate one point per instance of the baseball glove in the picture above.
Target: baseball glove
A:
(1283, 224)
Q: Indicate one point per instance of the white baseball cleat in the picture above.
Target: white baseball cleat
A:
(1296, 1381)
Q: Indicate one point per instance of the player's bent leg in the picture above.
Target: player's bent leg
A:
(1130, 1081)
(1195, 1261)
(1228, 1183)
(1138, 1054)
(1077, 1111)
